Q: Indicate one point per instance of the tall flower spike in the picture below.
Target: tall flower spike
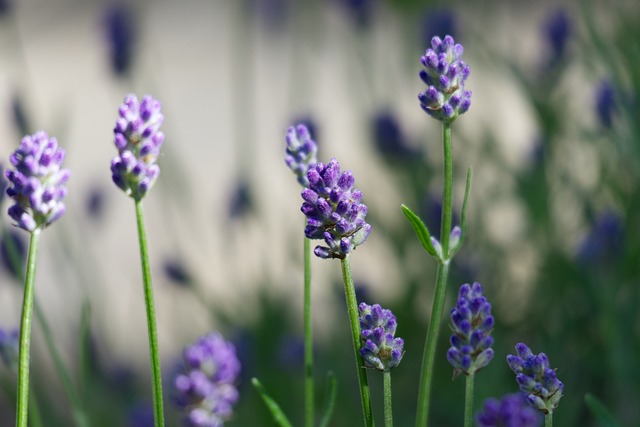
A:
(472, 323)
(205, 388)
(334, 210)
(138, 140)
(536, 379)
(444, 74)
(37, 183)
(510, 411)
(301, 152)
(380, 349)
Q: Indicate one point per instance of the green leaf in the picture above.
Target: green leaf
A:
(278, 416)
(463, 215)
(600, 411)
(421, 230)
(330, 399)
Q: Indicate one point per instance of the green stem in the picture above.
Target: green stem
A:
(22, 411)
(428, 356)
(34, 411)
(352, 309)
(548, 420)
(468, 401)
(388, 407)
(308, 338)
(158, 412)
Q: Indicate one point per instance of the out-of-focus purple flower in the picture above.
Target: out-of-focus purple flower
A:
(95, 202)
(556, 31)
(176, 271)
(141, 415)
(241, 201)
(37, 183)
(444, 74)
(291, 353)
(605, 103)
(472, 324)
(9, 348)
(13, 253)
(273, 13)
(5, 7)
(604, 241)
(388, 137)
(120, 34)
(3, 183)
(311, 125)
(138, 138)
(438, 22)
(360, 11)
(510, 411)
(380, 349)
(206, 386)
(536, 379)
(19, 114)
(301, 152)
(334, 211)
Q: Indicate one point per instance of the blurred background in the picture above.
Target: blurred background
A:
(553, 135)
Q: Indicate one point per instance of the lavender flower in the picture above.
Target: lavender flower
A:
(556, 31)
(9, 348)
(333, 210)
(510, 411)
(444, 74)
(380, 349)
(120, 32)
(301, 152)
(472, 323)
(205, 387)
(536, 379)
(605, 104)
(138, 140)
(38, 182)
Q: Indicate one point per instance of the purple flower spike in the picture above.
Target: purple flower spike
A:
(510, 411)
(38, 182)
(444, 74)
(334, 210)
(536, 379)
(472, 324)
(138, 138)
(379, 347)
(205, 388)
(301, 152)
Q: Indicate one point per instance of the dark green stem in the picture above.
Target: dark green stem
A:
(468, 401)
(548, 420)
(388, 407)
(352, 309)
(308, 337)
(34, 411)
(22, 411)
(158, 412)
(428, 356)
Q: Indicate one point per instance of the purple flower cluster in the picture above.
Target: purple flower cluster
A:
(510, 411)
(138, 140)
(205, 387)
(444, 74)
(9, 348)
(38, 182)
(536, 379)
(301, 152)
(380, 349)
(472, 323)
(334, 210)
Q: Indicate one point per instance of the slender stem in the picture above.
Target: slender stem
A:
(22, 411)
(352, 309)
(35, 419)
(158, 412)
(388, 407)
(548, 420)
(428, 356)
(308, 338)
(468, 401)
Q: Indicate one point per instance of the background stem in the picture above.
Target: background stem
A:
(548, 420)
(308, 337)
(352, 309)
(468, 401)
(388, 407)
(156, 373)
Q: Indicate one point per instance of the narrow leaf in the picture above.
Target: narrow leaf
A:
(330, 399)
(278, 416)
(420, 229)
(463, 215)
(601, 413)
